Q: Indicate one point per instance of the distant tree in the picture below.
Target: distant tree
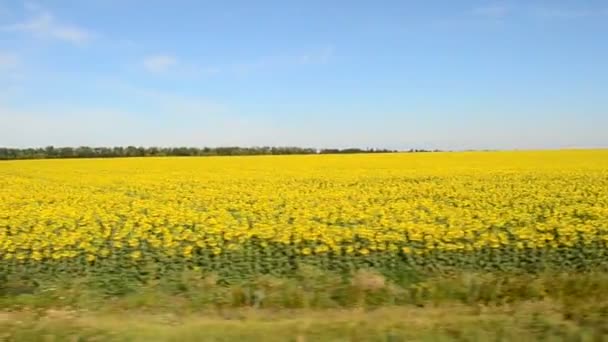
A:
(132, 151)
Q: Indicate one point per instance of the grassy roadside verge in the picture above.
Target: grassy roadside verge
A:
(529, 321)
(316, 306)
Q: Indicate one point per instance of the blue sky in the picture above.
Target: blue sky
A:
(397, 74)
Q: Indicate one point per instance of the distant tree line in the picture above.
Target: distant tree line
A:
(51, 152)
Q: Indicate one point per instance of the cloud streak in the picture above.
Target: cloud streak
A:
(43, 24)
(168, 64)
(492, 11)
(313, 57)
(159, 63)
(499, 11)
(561, 13)
(8, 60)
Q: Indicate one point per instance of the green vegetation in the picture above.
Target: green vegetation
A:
(527, 322)
(318, 306)
(51, 152)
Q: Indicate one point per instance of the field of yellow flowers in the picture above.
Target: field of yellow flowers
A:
(239, 216)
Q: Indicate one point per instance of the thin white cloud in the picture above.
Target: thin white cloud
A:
(169, 65)
(32, 6)
(571, 13)
(174, 104)
(492, 11)
(3, 10)
(500, 10)
(8, 60)
(321, 56)
(43, 24)
(11, 75)
(206, 70)
(159, 63)
(312, 57)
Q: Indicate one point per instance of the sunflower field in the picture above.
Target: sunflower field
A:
(243, 216)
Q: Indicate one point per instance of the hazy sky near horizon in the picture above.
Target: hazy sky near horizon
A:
(317, 73)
